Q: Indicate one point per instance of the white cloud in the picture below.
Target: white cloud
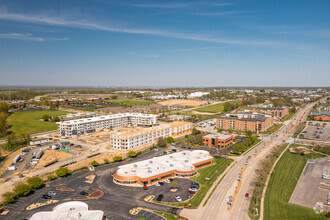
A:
(28, 36)
(85, 24)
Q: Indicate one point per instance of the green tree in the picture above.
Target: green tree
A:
(106, 161)
(4, 107)
(8, 197)
(46, 117)
(170, 140)
(195, 131)
(191, 139)
(62, 171)
(35, 182)
(161, 142)
(132, 153)
(3, 124)
(117, 158)
(95, 163)
(199, 139)
(22, 189)
(227, 106)
(51, 177)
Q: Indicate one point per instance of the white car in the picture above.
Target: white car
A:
(157, 184)
(167, 181)
(193, 189)
(178, 198)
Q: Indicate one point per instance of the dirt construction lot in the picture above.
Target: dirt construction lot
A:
(312, 188)
(183, 102)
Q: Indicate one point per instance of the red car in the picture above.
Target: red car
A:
(145, 187)
(247, 195)
(191, 192)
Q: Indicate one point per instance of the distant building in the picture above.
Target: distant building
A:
(197, 95)
(69, 210)
(245, 122)
(221, 140)
(129, 138)
(321, 116)
(178, 117)
(180, 164)
(278, 112)
(74, 116)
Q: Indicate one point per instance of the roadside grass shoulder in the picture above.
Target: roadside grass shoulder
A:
(277, 206)
(273, 128)
(29, 121)
(166, 215)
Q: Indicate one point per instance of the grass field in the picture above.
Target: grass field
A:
(132, 102)
(28, 121)
(166, 215)
(217, 108)
(276, 206)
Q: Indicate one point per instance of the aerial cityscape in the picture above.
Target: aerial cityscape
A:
(164, 110)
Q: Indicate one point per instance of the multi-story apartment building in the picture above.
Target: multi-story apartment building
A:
(129, 138)
(221, 140)
(245, 121)
(75, 116)
(278, 112)
(86, 125)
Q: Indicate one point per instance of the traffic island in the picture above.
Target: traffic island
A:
(90, 179)
(64, 189)
(135, 211)
(149, 198)
(37, 205)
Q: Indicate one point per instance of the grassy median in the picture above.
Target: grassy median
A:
(280, 188)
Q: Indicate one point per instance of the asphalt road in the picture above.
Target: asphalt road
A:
(217, 207)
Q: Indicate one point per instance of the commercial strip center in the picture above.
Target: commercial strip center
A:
(180, 164)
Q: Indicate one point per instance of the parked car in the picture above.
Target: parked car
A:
(145, 187)
(83, 193)
(247, 195)
(46, 197)
(161, 183)
(160, 197)
(178, 198)
(191, 192)
(193, 189)
(157, 184)
(167, 181)
(189, 195)
(52, 193)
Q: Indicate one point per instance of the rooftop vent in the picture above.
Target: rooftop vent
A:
(171, 165)
(134, 165)
(184, 153)
(149, 171)
(186, 161)
(150, 161)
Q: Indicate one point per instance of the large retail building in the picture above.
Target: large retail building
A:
(180, 164)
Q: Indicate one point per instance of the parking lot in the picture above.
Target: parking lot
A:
(311, 187)
(116, 201)
(317, 131)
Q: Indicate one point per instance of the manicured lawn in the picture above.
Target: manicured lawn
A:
(280, 188)
(212, 172)
(288, 116)
(28, 121)
(214, 108)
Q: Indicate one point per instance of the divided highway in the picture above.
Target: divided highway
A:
(217, 207)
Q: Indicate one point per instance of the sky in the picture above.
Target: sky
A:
(194, 43)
